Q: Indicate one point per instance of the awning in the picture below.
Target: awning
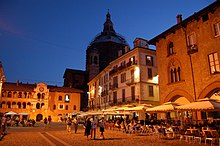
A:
(168, 106)
(205, 104)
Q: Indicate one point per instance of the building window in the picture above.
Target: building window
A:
(123, 77)
(24, 105)
(114, 97)
(149, 60)
(170, 48)
(151, 91)
(175, 74)
(9, 94)
(217, 29)
(66, 107)
(95, 60)
(149, 71)
(67, 98)
(25, 94)
(38, 96)
(74, 107)
(132, 60)
(132, 76)
(60, 106)
(20, 95)
(214, 63)
(115, 82)
(123, 95)
(133, 93)
(38, 106)
(60, 98)
(54, 106)
(9, 104)
(191, 39)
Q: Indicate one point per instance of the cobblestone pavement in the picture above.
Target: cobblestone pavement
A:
(57, 136)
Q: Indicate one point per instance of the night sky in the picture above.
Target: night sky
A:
(39, 39)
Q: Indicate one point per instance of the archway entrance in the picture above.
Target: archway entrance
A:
(39, 117)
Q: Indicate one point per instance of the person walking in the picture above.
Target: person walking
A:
(17, 119)
(75, 124)
(94, 126)
(45, 123)
(88, 126)
(102, 127)
(68, 125)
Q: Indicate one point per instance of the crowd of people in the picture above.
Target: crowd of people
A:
(90, 125)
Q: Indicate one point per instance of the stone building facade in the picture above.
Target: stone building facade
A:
(129, 79)
(188, 56)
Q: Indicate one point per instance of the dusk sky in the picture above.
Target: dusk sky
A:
(39, 39)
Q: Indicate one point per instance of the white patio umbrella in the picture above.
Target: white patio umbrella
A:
(166, 107)
(206, 104)
(11, 113)
(24, 114)
(138, 108)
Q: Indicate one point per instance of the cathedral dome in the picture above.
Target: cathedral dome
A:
(109, 34)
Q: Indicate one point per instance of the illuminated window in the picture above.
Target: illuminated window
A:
(217, 29)
(67, 98)
(214, 63)
(149, 60)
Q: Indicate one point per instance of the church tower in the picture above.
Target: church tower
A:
(105, 47)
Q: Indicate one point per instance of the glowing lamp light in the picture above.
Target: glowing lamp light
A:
(155, 78)
(137, 74)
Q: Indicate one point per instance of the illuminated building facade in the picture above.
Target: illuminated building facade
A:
(131, 78)
(39, 100)
(188, 56)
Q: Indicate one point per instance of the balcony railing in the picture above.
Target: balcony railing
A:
(122, 67)
(130, 82)
(192, 49)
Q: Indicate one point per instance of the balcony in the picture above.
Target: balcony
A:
(192, 49)
(122, 67)
(130, 82)
(114, 86)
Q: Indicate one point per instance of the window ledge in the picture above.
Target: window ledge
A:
(176, 82)
(216, 72)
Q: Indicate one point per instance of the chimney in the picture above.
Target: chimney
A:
(17, 82)
(179, 18)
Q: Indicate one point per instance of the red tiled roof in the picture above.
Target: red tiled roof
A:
(18, 87)
(30, 88)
